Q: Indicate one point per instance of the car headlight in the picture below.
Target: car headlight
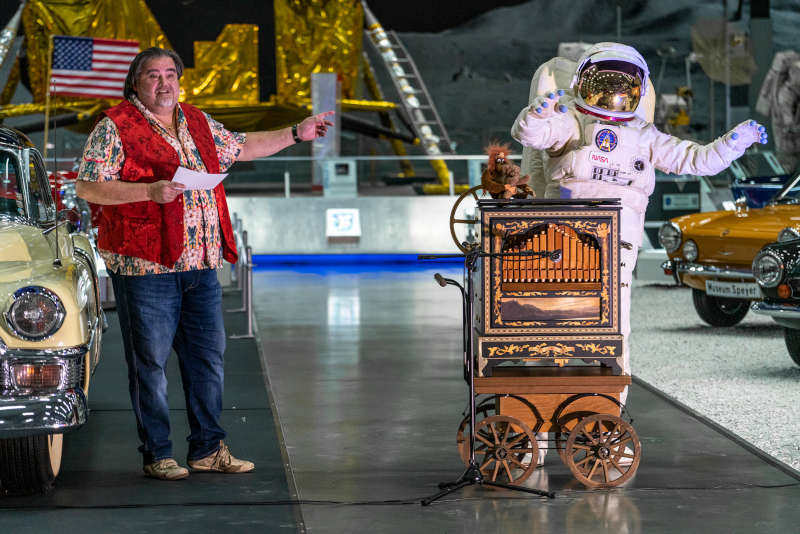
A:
(35, 314)
(82, 289)
(767, 269)
(788, 234)
(670, 236)
(690, 250)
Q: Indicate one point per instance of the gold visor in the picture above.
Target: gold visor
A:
(605, 86)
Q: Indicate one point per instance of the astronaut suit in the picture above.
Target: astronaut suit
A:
(598, 147)
(779, 99)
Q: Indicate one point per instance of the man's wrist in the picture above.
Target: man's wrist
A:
(294, 134)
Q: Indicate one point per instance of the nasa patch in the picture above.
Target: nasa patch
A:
(638, 164)
(606, 140)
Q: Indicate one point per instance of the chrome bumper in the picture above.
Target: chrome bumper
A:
(777, 311)
(23, 412)
(706, 271)
(51, 413)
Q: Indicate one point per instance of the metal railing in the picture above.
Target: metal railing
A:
(242, 275)
(373, 175)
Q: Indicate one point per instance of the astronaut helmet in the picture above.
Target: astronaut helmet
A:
(610, 81)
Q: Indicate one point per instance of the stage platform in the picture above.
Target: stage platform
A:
(362, 367)
(102, 489)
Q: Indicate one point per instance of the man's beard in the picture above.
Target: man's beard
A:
(166, 100)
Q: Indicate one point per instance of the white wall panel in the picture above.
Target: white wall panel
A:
(389, 225)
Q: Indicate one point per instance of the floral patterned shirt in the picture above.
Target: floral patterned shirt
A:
(103, 158)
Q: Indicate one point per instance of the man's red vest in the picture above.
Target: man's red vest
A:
(149, 230)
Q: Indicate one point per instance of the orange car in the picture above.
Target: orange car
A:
(712, 252)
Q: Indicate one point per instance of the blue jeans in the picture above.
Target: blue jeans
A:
(181, 311)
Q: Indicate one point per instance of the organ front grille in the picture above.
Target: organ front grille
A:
(576, 267)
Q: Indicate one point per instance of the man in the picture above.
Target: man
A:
(161, 246)
(599, 148)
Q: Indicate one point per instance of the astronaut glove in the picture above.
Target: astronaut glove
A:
(746, 134)
(546, 106)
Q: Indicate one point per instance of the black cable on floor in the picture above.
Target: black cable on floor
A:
(394, 502)
(286, 502)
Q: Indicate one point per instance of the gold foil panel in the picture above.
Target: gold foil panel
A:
(226, 70)
(351, 104)
(18, 110)
(11, 84)
(110, 19)
(316, 36)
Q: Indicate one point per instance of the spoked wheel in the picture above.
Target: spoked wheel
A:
(482, 411)
(476, 193)
(505, 449)
(30, 464)
(603, 451)
(566, 424)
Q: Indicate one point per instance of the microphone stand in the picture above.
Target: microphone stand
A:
(472, 475)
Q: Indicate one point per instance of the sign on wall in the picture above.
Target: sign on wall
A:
(342, 222)
(680, 201)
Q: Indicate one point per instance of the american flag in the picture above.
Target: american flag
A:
(89, 67)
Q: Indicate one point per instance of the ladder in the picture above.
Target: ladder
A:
(414, 96)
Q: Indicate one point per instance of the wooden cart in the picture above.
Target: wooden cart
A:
(544, 345)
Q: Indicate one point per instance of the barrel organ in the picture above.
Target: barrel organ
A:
(549, 283)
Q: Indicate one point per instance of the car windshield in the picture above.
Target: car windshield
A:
(11, 202)
(790, 194)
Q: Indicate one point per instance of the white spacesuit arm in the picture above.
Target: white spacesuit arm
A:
(551, 133)
(679, 156)
(551, 76)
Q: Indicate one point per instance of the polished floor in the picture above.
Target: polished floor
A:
(354, 421)
(365, 367)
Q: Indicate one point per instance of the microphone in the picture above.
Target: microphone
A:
(440, 279)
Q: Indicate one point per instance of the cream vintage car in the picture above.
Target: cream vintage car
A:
(712, 252)
(50, 321)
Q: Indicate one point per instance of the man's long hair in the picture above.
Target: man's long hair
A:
(138, 63)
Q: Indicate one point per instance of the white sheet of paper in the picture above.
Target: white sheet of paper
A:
(197, 180)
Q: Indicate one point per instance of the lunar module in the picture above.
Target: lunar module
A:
(543, 346)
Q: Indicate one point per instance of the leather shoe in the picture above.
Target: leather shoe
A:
(222, 461)
(166, 469)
